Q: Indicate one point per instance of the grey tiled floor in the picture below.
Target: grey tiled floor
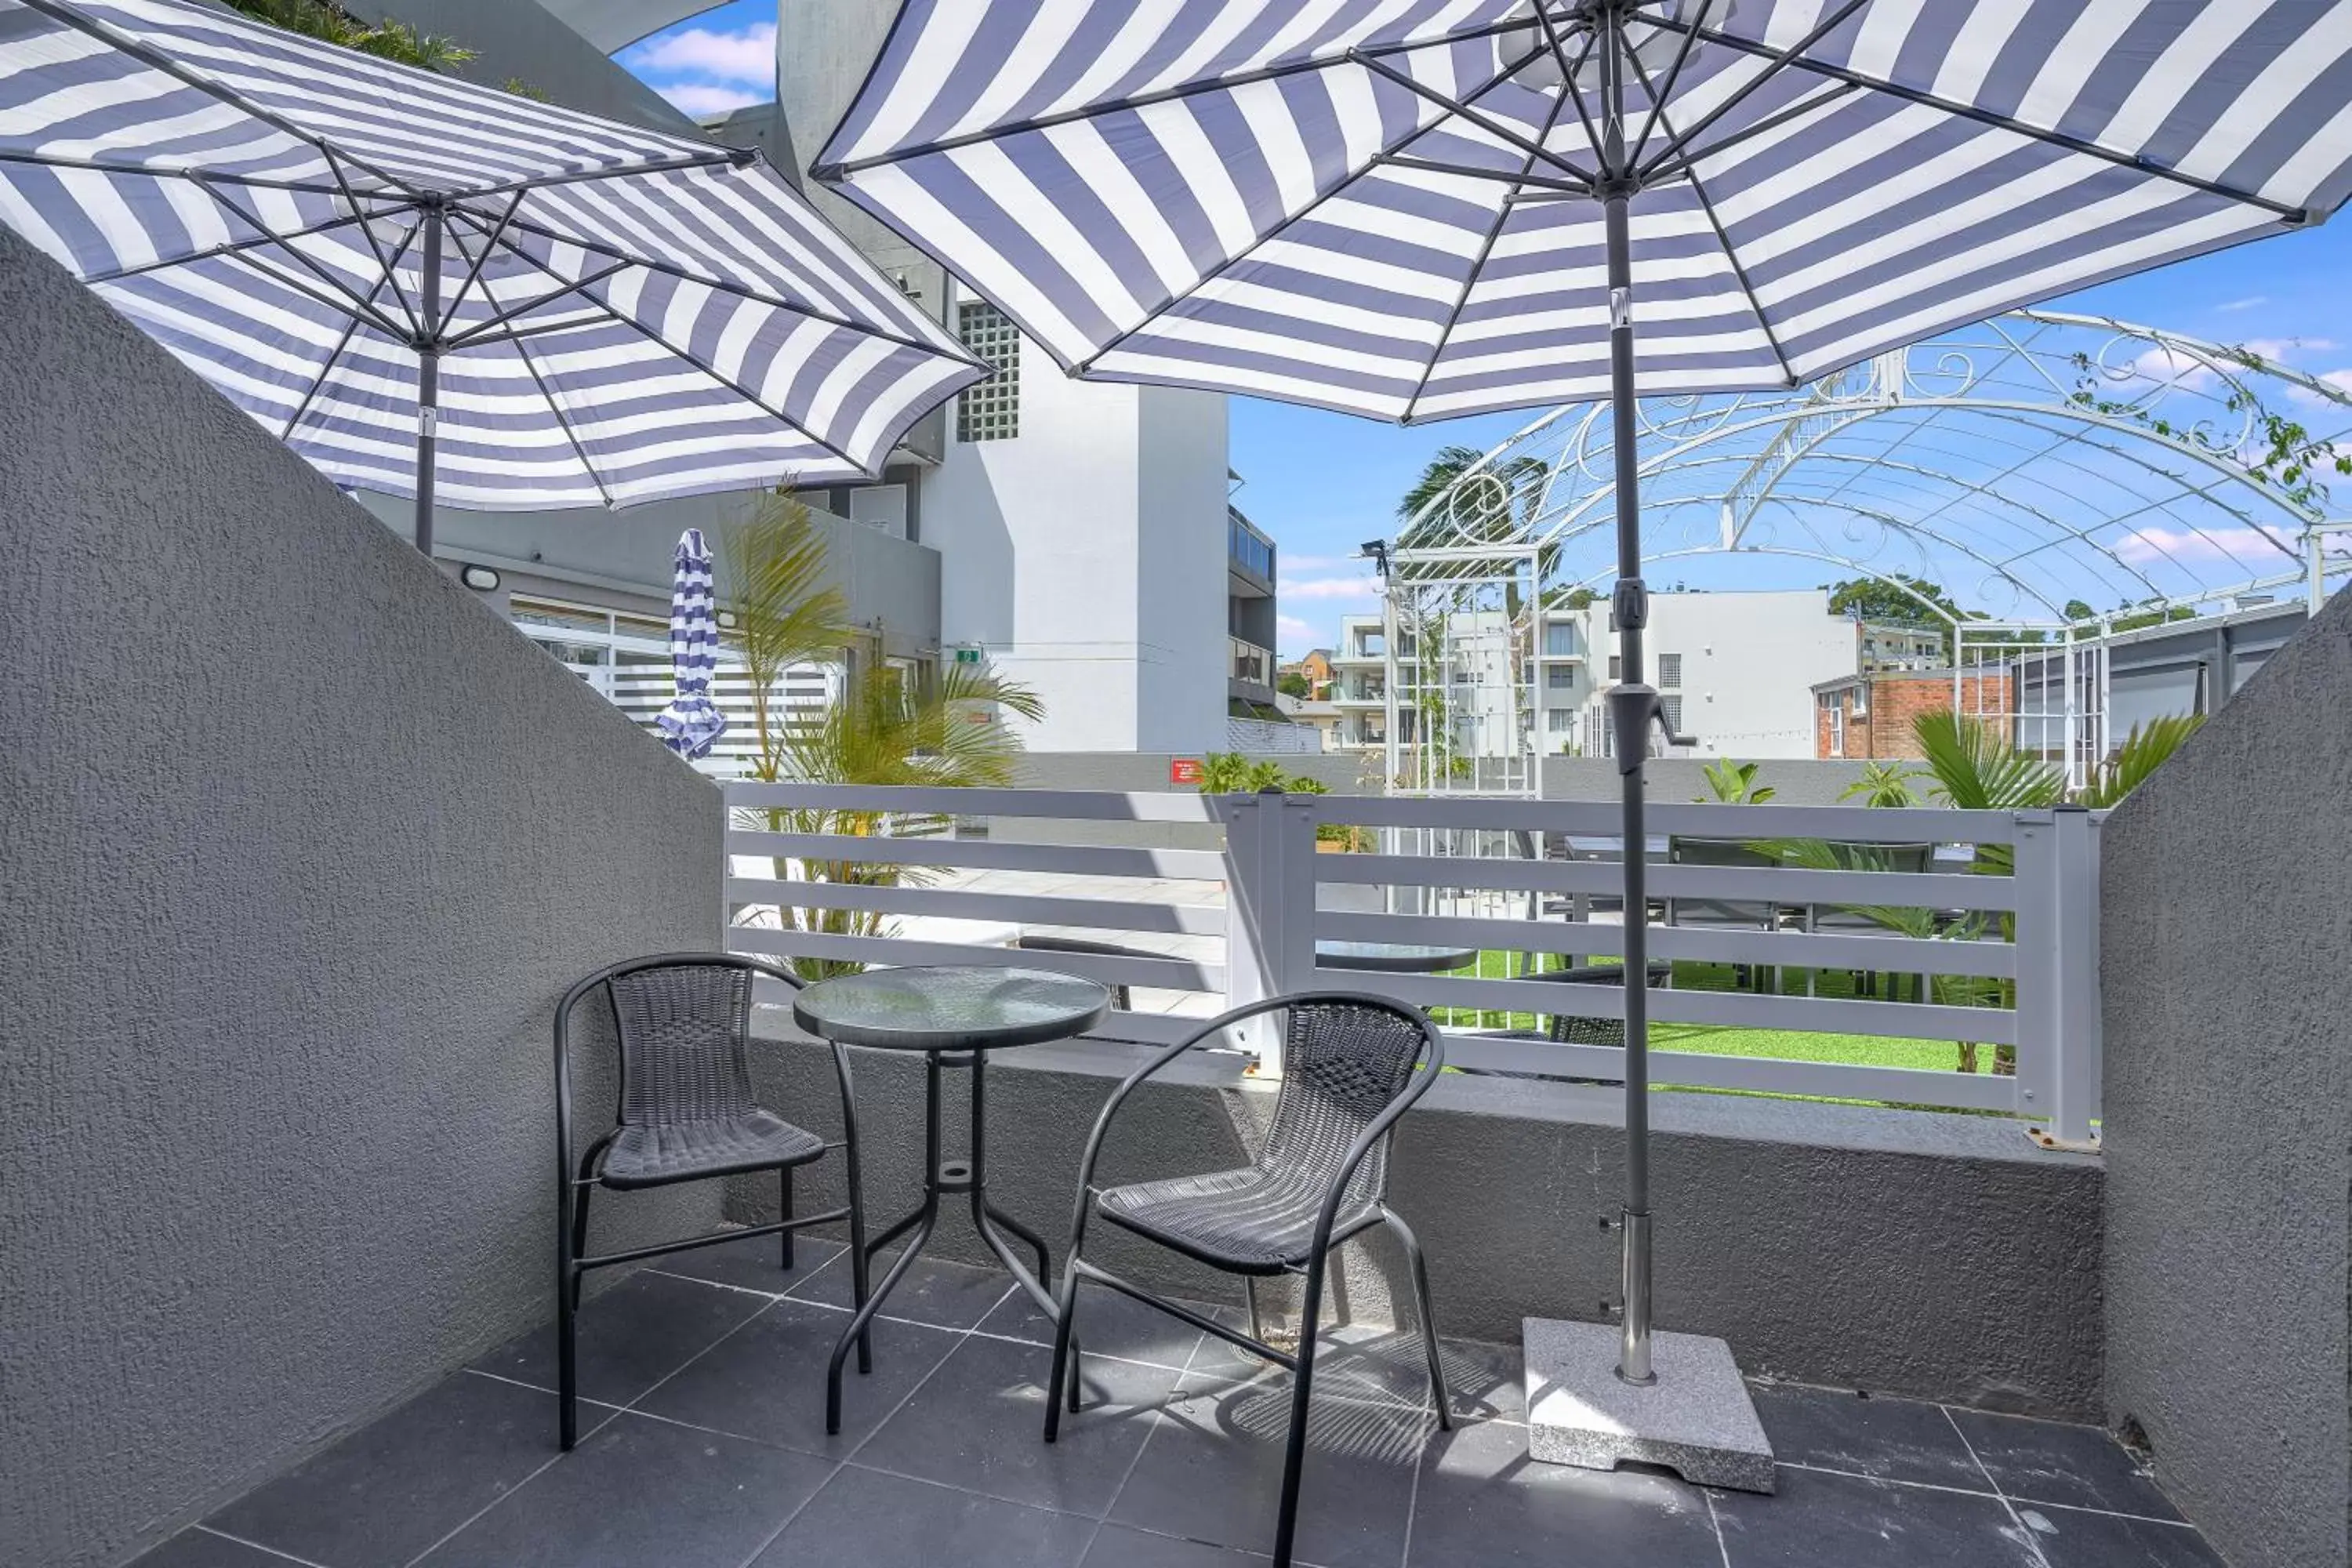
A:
(706, 1447)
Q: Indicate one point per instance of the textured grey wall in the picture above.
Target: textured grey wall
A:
(301, 843)
(520, 39)
(1896, 1251)
(2227, 935)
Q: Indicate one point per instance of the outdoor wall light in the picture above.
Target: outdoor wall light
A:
(726, 619)
(481, 579)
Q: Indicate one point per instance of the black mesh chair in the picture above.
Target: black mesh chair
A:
(1121, 997)
(686, 1115)
(1351, 1065)
(1568, 1028)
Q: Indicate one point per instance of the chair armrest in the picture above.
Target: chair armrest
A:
(1128, 1085)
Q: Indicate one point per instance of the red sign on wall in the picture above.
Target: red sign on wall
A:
(1184, 770)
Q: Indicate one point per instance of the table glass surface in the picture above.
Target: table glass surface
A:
(1394, 955)
(958, 1008)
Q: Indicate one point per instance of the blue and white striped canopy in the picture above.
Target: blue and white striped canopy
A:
(624, 315)
(692, 722)
(1387, 207)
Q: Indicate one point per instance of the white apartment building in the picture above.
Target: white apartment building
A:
(1734, 671)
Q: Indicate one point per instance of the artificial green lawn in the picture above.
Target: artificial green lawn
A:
(1790, 1045)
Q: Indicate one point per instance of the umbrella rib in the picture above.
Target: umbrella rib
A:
(1777, 60)
(148, 54)
(384, 261)
(199, 176)
(1666, 165)
(564, 424)
(318, 382)
(487, 330)
(670, 269)
(474, 273)
(1461, 107)
(1730, 256)
(1658, 98)
(1237, 257)
(337, 284)
(834, 172)
(1982, 116)
(228, 247)
(737, 389)
(722, 157)
(350, 305)
(1470, 279)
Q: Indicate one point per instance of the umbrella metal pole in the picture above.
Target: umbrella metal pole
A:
(1633, 707)
(429, 380)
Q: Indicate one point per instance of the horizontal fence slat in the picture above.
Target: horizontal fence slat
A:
(1602, 819)
(958, 903)
(893, 951)
(1767, 1075)
(1083, 805)
(1795, 950)
(1727, 1009)
(980, 854)
(1786, 885)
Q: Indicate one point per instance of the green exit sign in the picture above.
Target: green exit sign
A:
(967, 655)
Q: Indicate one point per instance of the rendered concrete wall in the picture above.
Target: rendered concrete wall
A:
(2226, 933)
(1896, 1251)
(301, 843)
(525, 41)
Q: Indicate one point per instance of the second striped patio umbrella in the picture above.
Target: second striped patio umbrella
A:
(429, 287)
(692, 722)
(1417, 209)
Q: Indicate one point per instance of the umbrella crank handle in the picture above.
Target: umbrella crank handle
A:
(1633, 708)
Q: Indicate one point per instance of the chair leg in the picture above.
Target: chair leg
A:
(1420, 1268)
(784, 1196)
(1258, 1313)
(568, 1224)
(1302, 1381)
(1064, 1383)
(579, 1239)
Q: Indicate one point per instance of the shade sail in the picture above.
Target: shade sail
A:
(613, 315)
(1387, 207)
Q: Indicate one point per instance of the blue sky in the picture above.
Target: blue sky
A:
(1321, 483)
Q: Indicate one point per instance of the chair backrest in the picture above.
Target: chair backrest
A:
(1747, 914)
(684, 1023)
(1119, 995)
(1572, 1029)
(1343, 1062)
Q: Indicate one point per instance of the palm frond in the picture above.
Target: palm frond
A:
(1976, 770)
(2144, 750)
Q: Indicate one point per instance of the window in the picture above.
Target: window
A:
(1560, 720)
(1559, 640)
(991, 410)
(880, 506)
(1670, 669)
(1673, 707)
(1561, 677)
(1616, 668)
(1835, 706)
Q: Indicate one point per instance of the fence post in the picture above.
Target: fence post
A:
(2058, 1022)
(1269, 908)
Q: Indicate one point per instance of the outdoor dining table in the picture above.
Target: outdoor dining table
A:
(955, 1016)
(1393, 957)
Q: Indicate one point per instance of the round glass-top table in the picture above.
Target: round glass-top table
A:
(1393, 957)
(955, 1016)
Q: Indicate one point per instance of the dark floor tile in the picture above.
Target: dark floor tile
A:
(1817, 1521)
(2070, 1538)
(2050, 1461)
(978, 1423)
(755, 1263)
(1108, 1324)
(631, 1337)
(1118, 1547)
(1891, 1439)
(935, 1291)
(1488, 1382)
(866, 1519)
(1482, 1501)
(199, 1549)
(389, 1490)
(1212, 1472)
(641, 1491)
(766, 1381)
(1353, 1361)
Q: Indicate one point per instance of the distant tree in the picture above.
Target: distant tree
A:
(2078, 611)
(1293, 684)
(1881, 599)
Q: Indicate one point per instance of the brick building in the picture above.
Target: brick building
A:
(1869, 717)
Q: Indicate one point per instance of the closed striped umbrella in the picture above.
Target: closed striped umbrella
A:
(422, 283)
(692, 722)
(1417, 209)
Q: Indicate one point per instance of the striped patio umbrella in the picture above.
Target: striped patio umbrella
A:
(692, 722)
(1416, 209)
(423, 284)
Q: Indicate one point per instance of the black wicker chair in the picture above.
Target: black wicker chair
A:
(686, 1114)
(1351, 1065)
(1121, 997)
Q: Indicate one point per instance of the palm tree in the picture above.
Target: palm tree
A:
(785, 612)
(1884, 784)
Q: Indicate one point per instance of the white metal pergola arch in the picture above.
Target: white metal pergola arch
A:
(2033, 463)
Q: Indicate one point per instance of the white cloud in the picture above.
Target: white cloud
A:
(700, 100)
(1325, 588)
(2254, 544)
(1292, 628)
(2248, 303)
(746, 57)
